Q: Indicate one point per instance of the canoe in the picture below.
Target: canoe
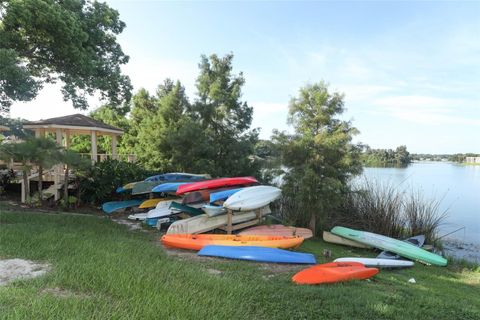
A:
(178, 176)
(332, 238)
(198, 241)
(260, 254)
(399, 247)
(222, 195)
(204, 223)
(145, 187)
(252, 198)
(380, 263)
(217, 183)
(137, 217)
(168, 187)
(334, 272)
(196, 197)
(151, 203)
(277, 230)
(112, 206)
(416, 241)
(213, 211)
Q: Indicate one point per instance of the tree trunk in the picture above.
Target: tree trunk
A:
(313, 224)
(65, 186)
(26, 187)
(40, 183)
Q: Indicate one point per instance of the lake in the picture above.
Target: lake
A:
(457, 186)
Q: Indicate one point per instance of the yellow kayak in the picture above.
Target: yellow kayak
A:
(152, 203)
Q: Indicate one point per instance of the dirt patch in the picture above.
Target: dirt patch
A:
(132, 225)
(63, 293)
(13, 269)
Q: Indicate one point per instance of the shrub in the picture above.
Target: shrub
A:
(99, 182)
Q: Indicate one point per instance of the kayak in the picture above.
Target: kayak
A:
(213, 211)
(380, 263)
(137, 216)
(168, 187)
(204, 223)
(334, 272)
(198, 241)
(252, 198)
(416, 241)
(222, 195)
(112, 206)
(176, 176)
(399, 247)
(260, 254)
(332, 238)
(150, 203)
(216, 183)
(277, 230)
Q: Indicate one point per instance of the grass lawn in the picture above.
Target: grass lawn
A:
(109, 272)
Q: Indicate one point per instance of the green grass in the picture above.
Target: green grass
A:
(113, 273)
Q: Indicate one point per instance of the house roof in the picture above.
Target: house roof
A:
(4, 128)
(74, 122)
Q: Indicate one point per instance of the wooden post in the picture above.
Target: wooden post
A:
(229, 221)
(94, 146)
(114, 146)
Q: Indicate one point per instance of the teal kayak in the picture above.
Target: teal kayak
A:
(112, 206)
(399, 247)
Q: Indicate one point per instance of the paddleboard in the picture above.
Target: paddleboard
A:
(277, 230)
(416, 241)
(402, 248)
(112, 206)
(252, 198)
(332, 238)
(380, 263)
(334, 272)
(216, 183)
(198, 241)
(204, 223)
(260, 254)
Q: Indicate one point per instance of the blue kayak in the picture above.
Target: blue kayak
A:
(109, 207)
(168, 187)
(260, 254)
(222, 195)
(172, 177)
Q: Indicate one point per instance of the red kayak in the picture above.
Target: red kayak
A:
(216, 183)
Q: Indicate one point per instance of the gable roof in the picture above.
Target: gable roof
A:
(74, 121)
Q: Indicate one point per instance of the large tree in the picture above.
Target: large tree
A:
(320, 155)
(72, 41)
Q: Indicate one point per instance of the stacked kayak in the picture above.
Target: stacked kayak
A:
(279, 230)
(334, 272)
(112, 206)
(216, 183)
(198, 241)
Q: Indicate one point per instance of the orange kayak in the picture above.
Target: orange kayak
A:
(334, 272)
(198, 241)
(277, 230)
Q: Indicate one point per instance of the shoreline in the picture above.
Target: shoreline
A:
(461, 250)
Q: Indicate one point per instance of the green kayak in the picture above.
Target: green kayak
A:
(401, 248)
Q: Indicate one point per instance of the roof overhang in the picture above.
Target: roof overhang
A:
(73, 129)
(4, 128)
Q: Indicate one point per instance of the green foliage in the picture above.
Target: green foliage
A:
(386, 157)
(99, 182)
(16, 127)
(320, 157)
(44, 41)
(6, 175)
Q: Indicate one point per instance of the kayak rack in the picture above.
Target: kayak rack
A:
(229, 227)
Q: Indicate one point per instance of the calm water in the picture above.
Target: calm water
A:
(458, 186)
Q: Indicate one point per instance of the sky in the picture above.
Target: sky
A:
(410, 70)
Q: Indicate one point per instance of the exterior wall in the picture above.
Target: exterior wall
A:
(472, 159)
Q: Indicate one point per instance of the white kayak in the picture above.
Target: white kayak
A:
(162, 210)
(380, 263)
(213, 211)
(137, 216)
(252, 198)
